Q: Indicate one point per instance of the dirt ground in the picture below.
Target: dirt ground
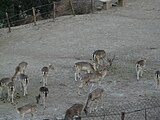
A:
(129, 32)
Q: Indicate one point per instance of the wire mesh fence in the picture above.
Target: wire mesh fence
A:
(46, 11)
(148, 109)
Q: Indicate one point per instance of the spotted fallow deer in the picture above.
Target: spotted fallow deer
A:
(3, 83)
(84, 66)
(99, 56)
(28, 108)
(74, 110)
(20, 68)
(24, 81)
(45, 71)
(140, 65)
(157, 78)
(42, 96)
(11, 90)
(92, 78)
(9, 84)
(96, 96)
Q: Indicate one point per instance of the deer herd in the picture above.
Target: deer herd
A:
(93, 74)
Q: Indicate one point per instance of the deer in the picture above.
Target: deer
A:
(74, 110)
(140, 65)
(45, 71)
(3, 83)
(11, 90)
(92, 78)
(42, 96)
(83, 66)
(96, 96)
(28, 108)
(24, 81)
(99, 56)
(20, 68)
(157, 78)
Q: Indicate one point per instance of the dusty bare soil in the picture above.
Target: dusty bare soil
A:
(129, 32)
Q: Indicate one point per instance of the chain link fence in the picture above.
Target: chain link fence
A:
(148, 109)
(52, 10)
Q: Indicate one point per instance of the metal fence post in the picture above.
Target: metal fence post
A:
(122, 115)
(9, 26)
(34, 15)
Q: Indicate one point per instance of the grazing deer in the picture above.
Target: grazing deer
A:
(11, 90)
(43, 96)
(140, 65)
(74, 110)
(20, 68)
(24, 81)
(45, 71)
(92, 78)
(95, 96)
(83, 66)
(28, 108)
(99, 57)
(157, 78)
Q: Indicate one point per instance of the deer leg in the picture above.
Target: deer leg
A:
(43, 81)
(75, 76)
(22, 116)
(8, 95)
(101, 100)
(25, 90)
(44, 102)
(91, 87)
(138, 74)
(21, 86)
(157, 82)
(1, 94)
(141, 73)
(12, 97)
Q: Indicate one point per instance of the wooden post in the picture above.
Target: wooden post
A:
(71, 5)
(121, 3)
(9, 26)
(122, 115)
(92, 6)
(54, 11)
(34, 15)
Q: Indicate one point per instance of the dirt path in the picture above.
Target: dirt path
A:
(130, 33)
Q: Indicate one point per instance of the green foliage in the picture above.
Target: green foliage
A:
(4, 6)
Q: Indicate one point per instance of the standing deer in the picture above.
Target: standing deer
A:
(74, 110)
(83, 66)
(96, 96)
(140, 65)
(9, 84)
(11, 90)
(28, 108)
(99, 57)
(157, 78)
(92, 78)
(43, 96)
(45, 71)
(3, 83)
(20, 68)
(24, 81)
